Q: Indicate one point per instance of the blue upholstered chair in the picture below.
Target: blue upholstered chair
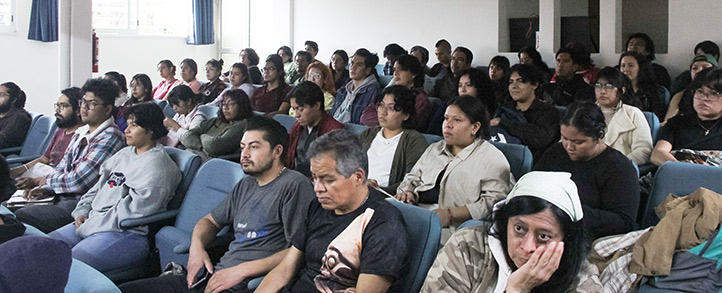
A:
(168, 111)
(285, 120)
(653, 122)
(384, 80)
(680, 179)
(355, 128)
(209, 111)
(431, 138)
(37, 140)
(380, 69)
(518, 156)
(15, 150)
(161, 103)
(423, 229)
(213, 182)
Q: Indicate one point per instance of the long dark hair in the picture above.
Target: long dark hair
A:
(475, 111)
(646, 84)
(536, 58)
(17, 96)
(575, 244)
(404, 102)
(616, 78)
(244, 105)
(410, 63)
(147, 86)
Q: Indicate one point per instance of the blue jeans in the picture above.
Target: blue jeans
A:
(104, 251)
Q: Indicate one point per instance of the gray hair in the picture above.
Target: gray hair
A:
(346, 150)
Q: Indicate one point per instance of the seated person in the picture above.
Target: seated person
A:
(462, 176)
(536, 244)
(79, 169)
(239, 79)
(605, 178)
(22, 256)
(569, 86)
(187, 116)
(700, 130)
(119, 80)
(391, 52)
(352, 240)
(271, 97)
(394, 146)
(529, 55)
(352, 98)
(442, 50)
(475, 83)
(409, 74)
(627, 128)
(168, 82)
(14, 120)
(682, 101)
(529, 119)
(287, 57)
(643, 45)
(321, 75)
(125, 190)
(140, 91)
(644, 88)
(221, 135)
(67, 119)
(498, 73)
(301, 62)
(447, 87)
(683, 79)
(312, 121)
(250, 58)
(586, 66)
(311, 47)
(285, 195)
(189, 70)
(339, 61)
(422, 54)
(210, 90)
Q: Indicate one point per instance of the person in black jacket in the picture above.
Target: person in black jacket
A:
(569, 86)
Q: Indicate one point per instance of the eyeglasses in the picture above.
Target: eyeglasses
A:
(269, 69)
(380, 107)
(228, 104)
(90, 105)
(4, 95)
(606, 86)
(314, 75)
(61, 106)
(711, 95)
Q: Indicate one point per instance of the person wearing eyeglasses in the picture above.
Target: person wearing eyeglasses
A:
(67, 119)
(14, 119)
(697, 131)
(92, 144)
(627, 129)
(271, 97)
(221, 135)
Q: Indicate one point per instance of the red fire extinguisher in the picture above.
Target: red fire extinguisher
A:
(95, 52)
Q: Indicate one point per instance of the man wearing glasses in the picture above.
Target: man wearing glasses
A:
(78, 170)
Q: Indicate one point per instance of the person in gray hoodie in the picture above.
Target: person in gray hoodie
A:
(137, 181)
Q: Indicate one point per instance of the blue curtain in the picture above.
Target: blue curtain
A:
(44, 21)
(202, 23)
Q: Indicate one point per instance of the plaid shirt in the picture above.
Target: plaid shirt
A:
(80, 166)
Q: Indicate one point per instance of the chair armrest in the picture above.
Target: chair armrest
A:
(15, 150)
(20, 160)
(142, 221)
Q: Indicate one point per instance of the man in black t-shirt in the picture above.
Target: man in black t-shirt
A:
(352, 239)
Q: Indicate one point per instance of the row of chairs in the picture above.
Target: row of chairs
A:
(36, 140)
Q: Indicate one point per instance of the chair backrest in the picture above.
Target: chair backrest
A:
(436, 105)
(213, 182)
(355, 128)
(384, 80)
(518, 156)
(664, 96)
(680, 179)
(188, 163)
(653, 122)
(34, 116)
(161, 103)
(431, 138)
(285, 120)
(484, 69)
(380, 68)
(423, 229)
(562, 110)
(39, 136)
(209, 111)
(168, 111)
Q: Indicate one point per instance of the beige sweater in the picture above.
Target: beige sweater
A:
(628, 132)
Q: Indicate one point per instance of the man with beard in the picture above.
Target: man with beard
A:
(67, 115)
(264, 210)
(14, 120)
(447, 87)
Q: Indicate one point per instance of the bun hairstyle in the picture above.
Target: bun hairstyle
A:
(168, 64)
(216, 63)
(17, 96)
(587, 118)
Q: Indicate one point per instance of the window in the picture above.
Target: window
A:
(158, 17)
(7, 16)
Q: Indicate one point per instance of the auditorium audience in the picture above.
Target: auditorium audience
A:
(168, 80)
(189, 70)
(67, 119)
(498, 74)
(249, 58)
(352, 98)
(79, 169)
(239, 79)
(287, 57)
(394, 146)
(627, 128)
(446, 88)
(409, 74)
(529, 55)
(644, 87)
(698, 130)
(326, 253)
(285, 196)
(605, 178)
(462, 176)
(643, 44)
(443, 55)
(682, 101)
(339, 61)
(125, 190)
(140, 92)
(210, 90)
(391, 53)
(528, 118)
(221, 135)
(683, 79)
(301, 62)
(14, 120)
(185, 104)
(535, 244)
(120, 81)
(271, 97)
(422, 54)
(569, 86)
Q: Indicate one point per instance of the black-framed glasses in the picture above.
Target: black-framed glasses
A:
(61, 106)
(606, 86)
(90, 105)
